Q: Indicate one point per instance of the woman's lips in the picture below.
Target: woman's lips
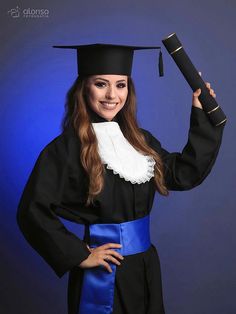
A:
(108, 105)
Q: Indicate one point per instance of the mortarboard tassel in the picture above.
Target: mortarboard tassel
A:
(160, 64)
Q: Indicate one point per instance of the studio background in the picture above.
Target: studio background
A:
(194, 231)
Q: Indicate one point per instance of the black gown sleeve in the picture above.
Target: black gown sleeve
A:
(36, 217)
(188, 169)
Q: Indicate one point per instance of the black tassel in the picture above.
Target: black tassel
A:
(160, 64)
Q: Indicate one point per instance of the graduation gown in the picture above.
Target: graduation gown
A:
(57, 188)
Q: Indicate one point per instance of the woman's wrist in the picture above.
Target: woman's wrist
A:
(197, 106)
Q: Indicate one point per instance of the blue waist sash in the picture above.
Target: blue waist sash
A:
(97, 293)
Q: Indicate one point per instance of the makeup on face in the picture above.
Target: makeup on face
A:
(107, 94)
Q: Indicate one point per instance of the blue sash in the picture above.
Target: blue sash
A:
(97, 293)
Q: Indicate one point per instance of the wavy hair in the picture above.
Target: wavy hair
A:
(77, 116)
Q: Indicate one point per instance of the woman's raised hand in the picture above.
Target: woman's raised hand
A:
(195, 101)
(100, 254)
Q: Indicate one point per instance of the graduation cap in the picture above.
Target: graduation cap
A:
(97, 59)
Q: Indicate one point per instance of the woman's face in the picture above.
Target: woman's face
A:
(107, 94)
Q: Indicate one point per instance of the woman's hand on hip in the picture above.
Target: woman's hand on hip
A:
(100, 255)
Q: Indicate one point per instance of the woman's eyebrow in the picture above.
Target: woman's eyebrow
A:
(100, 78)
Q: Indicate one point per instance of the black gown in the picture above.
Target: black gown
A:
(57, 187)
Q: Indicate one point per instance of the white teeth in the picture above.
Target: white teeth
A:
(109, 105)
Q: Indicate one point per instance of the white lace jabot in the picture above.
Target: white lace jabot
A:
(120, 156)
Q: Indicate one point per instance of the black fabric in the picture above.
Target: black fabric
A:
(57, 187)
(107, 58)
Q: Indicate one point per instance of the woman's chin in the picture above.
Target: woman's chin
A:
(108, 115)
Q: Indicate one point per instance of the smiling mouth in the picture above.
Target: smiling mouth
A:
(108, 105)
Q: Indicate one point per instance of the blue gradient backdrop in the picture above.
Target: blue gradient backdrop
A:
(194, 231)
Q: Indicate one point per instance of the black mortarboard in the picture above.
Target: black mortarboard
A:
(107, 58)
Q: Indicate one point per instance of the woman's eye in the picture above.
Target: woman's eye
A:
(121, 85)
(99, 84)
(102, 84)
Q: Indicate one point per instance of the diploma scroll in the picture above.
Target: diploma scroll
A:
(209, 104)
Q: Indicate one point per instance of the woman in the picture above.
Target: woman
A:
(103, 171)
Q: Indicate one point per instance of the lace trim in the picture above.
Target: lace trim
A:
(120, 156)
(146, 177)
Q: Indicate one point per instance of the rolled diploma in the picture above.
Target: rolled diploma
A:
(209, 104)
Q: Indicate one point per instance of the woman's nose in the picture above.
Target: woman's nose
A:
(111, 93)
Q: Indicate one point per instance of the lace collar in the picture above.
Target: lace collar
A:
(120, 156)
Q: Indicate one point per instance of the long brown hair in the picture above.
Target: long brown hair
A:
(77, 116)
